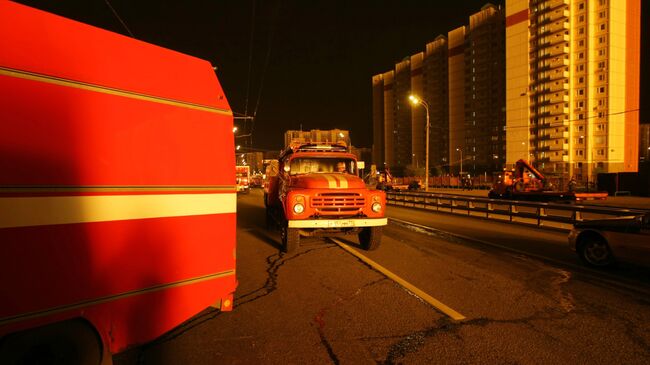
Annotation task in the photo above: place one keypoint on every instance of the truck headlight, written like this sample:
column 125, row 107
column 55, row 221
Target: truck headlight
column 376, row 207
column 298, row 208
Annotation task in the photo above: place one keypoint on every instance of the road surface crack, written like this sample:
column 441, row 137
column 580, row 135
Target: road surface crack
column 319, row 319
column 274, row 263
column 413, row 342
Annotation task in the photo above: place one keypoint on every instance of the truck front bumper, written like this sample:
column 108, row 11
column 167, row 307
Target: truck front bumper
column 338, row 223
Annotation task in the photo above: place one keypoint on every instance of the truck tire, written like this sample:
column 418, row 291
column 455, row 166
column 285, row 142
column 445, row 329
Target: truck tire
column 70, row 342
column 290, row 238
column 370, row 238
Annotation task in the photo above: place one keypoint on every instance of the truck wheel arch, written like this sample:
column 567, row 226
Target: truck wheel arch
column 74, row 341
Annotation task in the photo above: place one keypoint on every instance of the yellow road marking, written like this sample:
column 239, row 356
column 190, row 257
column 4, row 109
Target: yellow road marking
column 405, row 284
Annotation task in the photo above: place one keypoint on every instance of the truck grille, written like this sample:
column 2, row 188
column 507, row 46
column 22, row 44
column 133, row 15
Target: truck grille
column 338, row 202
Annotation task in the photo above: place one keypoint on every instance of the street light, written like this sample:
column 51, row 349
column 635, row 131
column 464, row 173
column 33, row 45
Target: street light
column 415, row 101
column 234, row 129
column 461, row 161
column 238, row 147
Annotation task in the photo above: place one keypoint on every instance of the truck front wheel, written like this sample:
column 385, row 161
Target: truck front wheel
column 290, row 238
column 370, row 238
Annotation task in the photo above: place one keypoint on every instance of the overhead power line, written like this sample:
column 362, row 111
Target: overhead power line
column 118, row 18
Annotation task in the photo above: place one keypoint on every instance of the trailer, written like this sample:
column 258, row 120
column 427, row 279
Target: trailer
column 525, row 182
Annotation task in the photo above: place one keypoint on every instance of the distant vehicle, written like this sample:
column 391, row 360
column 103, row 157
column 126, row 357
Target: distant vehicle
column 117, row 197
column 525, row 182
column 316, row 193
column 270, row 170
column 257, row 181
column 243, row 174
column 603, row 242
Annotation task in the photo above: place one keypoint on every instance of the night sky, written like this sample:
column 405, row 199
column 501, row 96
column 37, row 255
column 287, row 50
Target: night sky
column 312, row 60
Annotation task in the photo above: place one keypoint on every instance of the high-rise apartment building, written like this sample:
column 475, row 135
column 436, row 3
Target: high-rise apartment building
column 485, row 115
column 403, row 122
column 418, row 115
column 461, row 77
column 389, row 118
column 378, row 152
column 456, row 64
column 572, row 85
column 436, row 93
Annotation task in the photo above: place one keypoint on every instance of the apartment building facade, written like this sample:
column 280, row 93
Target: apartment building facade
column 461, row 76
column 572, row 85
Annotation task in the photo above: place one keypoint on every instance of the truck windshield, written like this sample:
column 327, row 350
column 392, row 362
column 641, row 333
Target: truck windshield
column 316, row 165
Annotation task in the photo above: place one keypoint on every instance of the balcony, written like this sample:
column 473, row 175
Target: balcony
column 559, row 111
column 560, row 62
column 540, row 114
column 554, row 39
column 559, row 74
column 563, row 98
column 557, row 135
column 555, row 87
column 559, row 14
column 559, row 25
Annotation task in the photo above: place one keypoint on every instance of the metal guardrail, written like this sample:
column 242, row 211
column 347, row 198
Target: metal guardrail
column 553, row 215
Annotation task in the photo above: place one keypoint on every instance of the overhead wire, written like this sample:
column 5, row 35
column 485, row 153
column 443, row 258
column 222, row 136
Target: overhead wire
column 119, row 18
column 268, row 56
column 250, row 59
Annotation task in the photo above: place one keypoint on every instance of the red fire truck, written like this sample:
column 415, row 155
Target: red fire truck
column 243, row 175
column 316, row 193
column 112, row 229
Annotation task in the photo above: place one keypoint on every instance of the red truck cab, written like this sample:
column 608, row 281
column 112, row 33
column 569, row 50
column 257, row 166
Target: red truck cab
column 316, row 193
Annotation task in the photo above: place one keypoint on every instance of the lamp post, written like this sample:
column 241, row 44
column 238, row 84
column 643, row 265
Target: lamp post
column 461, row 161
column 415, row 101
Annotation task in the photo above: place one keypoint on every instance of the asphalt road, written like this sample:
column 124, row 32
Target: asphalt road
column 525, row 298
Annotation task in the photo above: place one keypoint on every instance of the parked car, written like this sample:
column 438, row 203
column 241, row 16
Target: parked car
column 603, row 242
